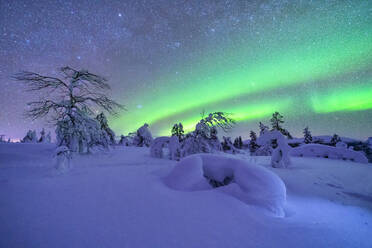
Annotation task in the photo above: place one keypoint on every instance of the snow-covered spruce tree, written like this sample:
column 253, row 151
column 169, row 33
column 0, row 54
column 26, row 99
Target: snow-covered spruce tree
column 204, row 138
column 143, row 136
column 276, row 121
column 124, row 140
column 42, row 138
column 70, row 100
column 30, row 137
column 48, row 138
column 238, row 142
column 253, row 146
column 263, row 128
column 227, row 145
column 101, row 118
column 177, row 130
column 307, row 136
column 335, row 139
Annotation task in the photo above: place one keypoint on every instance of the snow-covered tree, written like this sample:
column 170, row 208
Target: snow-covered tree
column 307, row 136
column 71, row 101
column 2, row 138
column 280, row 155
column 238, row 142
column 253, row 146
column 204, row 139
column 101, row 118
column 276, row 121
column 143, row 136
column 335, row 139
column 30, row 137
column 42, row 138
column 63, row 159
column 157, row 145
column 263, row 128
column 49, row 138
column 228, row 146
column 177, row 130
column 81, row 135
column 124, row 140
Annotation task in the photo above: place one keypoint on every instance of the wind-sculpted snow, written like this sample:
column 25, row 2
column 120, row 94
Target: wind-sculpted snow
column 252, row 184
column 324, row 151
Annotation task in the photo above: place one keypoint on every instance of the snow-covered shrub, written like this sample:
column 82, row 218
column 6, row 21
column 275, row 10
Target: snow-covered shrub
column 334, row 140
column 280, row 155
column 324, row 151
column 341, row 144
column 251, row 184
column 30, row 137
column 63, row 159
column 143, row 136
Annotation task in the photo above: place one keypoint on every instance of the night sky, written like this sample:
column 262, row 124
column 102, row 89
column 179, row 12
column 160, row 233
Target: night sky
column 169, row 60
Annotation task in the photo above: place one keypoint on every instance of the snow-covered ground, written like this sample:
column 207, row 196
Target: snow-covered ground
column 120, row 199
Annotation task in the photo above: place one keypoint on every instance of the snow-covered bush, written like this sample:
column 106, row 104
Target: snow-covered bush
column 143, row 136
column 63, row 159
column 30, row 137
column 280, row 155
column 324, row 151
column 341, row 144
column 251, row 184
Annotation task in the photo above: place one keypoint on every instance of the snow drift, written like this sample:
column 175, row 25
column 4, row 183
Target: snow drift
column 316, row 150
column 253, row 185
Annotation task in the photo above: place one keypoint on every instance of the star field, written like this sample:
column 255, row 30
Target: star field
column 167, row 61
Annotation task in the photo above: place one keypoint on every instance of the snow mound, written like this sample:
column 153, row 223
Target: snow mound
column 252, row 184
column 324, row 151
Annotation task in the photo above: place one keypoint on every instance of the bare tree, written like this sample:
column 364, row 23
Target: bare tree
column 71, row 100
column 75, row 90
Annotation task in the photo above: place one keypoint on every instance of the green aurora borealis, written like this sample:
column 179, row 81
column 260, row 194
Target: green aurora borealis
column 308, row 64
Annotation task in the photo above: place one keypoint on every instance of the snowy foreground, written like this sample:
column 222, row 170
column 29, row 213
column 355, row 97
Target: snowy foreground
column 124, row 198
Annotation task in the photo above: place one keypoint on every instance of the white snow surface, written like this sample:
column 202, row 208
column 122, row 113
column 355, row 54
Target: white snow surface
column 251, row 184
column 324, row 151
column 119, row 199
